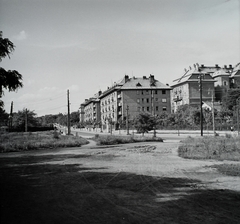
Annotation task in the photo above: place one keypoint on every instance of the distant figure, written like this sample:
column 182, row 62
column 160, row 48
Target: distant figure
column 231, row 128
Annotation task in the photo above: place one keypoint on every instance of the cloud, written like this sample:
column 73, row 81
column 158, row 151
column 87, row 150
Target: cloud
column 21, row 36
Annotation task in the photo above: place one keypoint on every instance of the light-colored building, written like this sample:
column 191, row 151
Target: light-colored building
column 216, row 81
column 186, row 90
column 132, row 96
column 90, row 110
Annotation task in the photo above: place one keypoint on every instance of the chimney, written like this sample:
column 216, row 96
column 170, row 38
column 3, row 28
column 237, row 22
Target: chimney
column 230, row 66
column 126, row 78
column 216, row 66
column 151, row 77
column 225, row 66
column 99, row 93
column 144, row 77
column 202, row 65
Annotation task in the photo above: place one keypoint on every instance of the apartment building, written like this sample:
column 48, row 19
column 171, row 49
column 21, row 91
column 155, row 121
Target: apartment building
column 186, row 90
column 127, row 99
column 89, row 111
column 132, row 96
column 216, row 81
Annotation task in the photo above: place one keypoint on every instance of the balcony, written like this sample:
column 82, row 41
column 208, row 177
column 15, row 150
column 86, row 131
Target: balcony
column 178, row 98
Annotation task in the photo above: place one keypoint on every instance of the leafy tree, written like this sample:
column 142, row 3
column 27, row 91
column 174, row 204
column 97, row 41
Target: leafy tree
column 144, row 122
column 3, row 117
column 230, row 99
column 10, row 79
column 19, row 119
column 74, row 116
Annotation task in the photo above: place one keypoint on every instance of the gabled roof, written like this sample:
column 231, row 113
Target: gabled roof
column 196, row 69
column 236, row 70
column 144, row 83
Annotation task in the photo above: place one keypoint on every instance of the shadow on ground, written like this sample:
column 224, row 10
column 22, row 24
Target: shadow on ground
column 47, row 193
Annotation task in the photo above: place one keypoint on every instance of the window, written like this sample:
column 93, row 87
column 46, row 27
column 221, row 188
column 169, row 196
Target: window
column 156, row 108
column 156, row 99
column 147, row 108
column 147, row 92
column 225, row 83
column 164, row 100
column 164, row 91
column 147, row 100
column 142, row 108
column 164, row 108
column 142, row 100
column 155, row 91
column 142, row 92
column 137, row 92
column 138, row 100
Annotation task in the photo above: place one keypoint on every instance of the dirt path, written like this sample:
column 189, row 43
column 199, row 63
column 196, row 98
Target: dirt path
column 133, row 183
column 153, row 159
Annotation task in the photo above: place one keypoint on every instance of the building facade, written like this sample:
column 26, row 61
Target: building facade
column 126, row 99
column 215, row 82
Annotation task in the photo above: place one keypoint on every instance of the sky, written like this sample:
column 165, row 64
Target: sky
column 86, row 45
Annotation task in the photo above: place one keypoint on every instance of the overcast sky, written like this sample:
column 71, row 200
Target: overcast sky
column 86, row 45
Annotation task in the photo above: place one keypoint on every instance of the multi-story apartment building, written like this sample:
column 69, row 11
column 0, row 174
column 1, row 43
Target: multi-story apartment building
column 216, row 81
column 186, row 90
column 128, row 98
column 90, row 110
column 132, row 96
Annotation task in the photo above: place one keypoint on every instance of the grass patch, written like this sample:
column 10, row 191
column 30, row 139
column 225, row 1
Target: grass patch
column 219, row 148
column 228, row 169
column 114, row 139
column 20, row 141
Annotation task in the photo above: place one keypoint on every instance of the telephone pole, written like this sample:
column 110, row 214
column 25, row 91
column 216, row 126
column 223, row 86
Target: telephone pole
column 11, row 116
column 68, row 120
column 26, row 121
column 127, row 122
column 213, row 116
column 153, row 113
column 201, row 111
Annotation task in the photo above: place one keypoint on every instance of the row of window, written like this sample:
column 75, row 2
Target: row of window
column 148, row 108
column 146, row 100
column 146, row 92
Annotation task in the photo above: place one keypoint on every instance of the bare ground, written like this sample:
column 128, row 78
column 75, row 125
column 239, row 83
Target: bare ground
column 134, row 183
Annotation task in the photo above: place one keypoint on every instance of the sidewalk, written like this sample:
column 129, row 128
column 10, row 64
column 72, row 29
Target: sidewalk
column 158, row 132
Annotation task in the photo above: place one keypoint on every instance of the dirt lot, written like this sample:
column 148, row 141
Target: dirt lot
column 134, row 183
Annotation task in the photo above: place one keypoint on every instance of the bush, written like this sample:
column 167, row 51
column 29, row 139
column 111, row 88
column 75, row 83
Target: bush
column 114, row 140
column 20, row 141
column 220, row 148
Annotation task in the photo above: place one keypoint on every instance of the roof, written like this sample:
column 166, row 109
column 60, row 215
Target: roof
column 236, row 70
column 144, row 83
column 196, row 69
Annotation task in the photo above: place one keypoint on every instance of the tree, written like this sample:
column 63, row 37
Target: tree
column 19, row 119
column 230, row 99
column 10, row 79
column 144, row 122
column 74, row 118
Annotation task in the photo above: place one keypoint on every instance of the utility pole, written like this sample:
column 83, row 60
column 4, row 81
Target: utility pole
column 213, row 115
column 201, row 111
column 11, row 116
column 127, row 122
column 68, row 120
column 26, row 121
column 153, row 113
column 238, row 100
